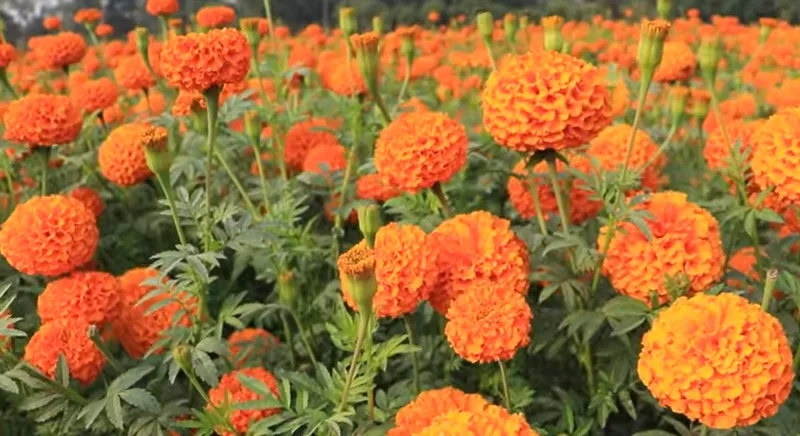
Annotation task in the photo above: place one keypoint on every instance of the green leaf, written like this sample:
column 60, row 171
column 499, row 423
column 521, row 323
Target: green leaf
column 38, row 400
column 114, row 411
column 8, row 385
column 128, row 379
column 62, row 370
column 769, row 216
column 204, row 367
column 91, row 412
column 624, row 306
column 141, row 399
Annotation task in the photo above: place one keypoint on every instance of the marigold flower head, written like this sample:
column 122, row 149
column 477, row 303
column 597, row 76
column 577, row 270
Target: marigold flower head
column 188, row 102
column 90, row 199
column 429, row 405
column 88, row 16
column 52, row 23
column 132, row 73
column 60, row 50
column 250, row 341
column 325, row 159
column 91, row 296
column 365, row 41
column 304, row 136
column 372, row 187
column 343, row 78
column 215, row 16
column 137, row 330
column 720, row 360
column 744, row 262
column 418, row 150
column 49, row 236
column 95, row 95
column 717, row 152
column 199, row 61
column 104, row 30
column 121, row 156
column 776, row 155
column 493, row 420
column 677, row 63
column 610, row 149
column 231, row 391
column 545, row 100
column 70, row 338
column 7, row 54
column 488, row 323
column 685, row 243
column 357, row 262
column 495, row 256
column 162, row 7
column 620, row 99
column 42, row 120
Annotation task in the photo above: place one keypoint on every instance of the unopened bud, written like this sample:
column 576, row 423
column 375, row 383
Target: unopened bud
column 347, row 21
column 651, row 46
column 252, row 126
column 369, row 222
column 679, row 97
column 664, row 9
column 407, row 42
column 485, row 25
column 708, row 56
column 287, row 289
column 510, row 27
column 249, row 27
column 366, row 48
column 553, row 39
column 523, row 22
column 182, row 354
column 699, row 100
column 377, row 25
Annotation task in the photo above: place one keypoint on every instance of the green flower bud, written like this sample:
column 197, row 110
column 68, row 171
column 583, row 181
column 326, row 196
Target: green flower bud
column 347, row 21
column 157, row 153
column 678, row 97
column 369, row 222
column 377, row 25
column 252, row 126
column 357, row 266
column 767, row 24
column 366, row 48
column 287, row 289
column 485, row 25
column 708, row 56
column 183, row 357
column 553, row 39
column 510, row 27
column 651, row 46
column 664, row 9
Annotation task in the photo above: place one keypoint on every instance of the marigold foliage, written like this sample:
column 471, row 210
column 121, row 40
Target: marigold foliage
column 248, row 342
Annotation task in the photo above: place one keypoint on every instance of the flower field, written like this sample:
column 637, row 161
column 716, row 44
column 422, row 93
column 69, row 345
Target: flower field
column 468, row 226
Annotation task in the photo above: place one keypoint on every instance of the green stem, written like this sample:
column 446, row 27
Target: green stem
column 348, row 172
column 257, row 68
column 169, row 193
column 589, row 367
column 415, row 355
column 162, row 21
column 281, row 158
column 287, row 330
column 268, row 11
column 769, row 287
column 101, row 345
column 662, row 148
column 488, row 45
column 7, row 168
column 562, row 205
column 796, row 361
column 45, row 159
column 404, row 87
column 504, row 377
column 612, row 227
column 7, row 84
column 66, row 391
column 703, row 430
column 644, row 87
column 261, row 176
column 363, row 326
column 537, row 202
column 212, row 107
column 385, row 117
column 439, row 193
column 238, row 183
column 304, row 338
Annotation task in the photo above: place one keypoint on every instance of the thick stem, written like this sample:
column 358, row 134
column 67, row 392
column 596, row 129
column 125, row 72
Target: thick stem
column 212, row 107
column 385, row 117
column 348, row 172
column 504, row 377
column 287, row 330
column 44, row 153
column 238, row 183
column 415, row 355
column 169, row 193
column 589, row 367
column 363, row 326
column 644, row 87
column 304, row 338
column 439, row 192
column 7, row 169
column 162, row 21
column 703, row 430
column 7, row 84
column 562, row 205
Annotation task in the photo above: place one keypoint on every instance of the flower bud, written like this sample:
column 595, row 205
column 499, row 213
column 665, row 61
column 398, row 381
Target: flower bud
column 357, row 266
column 369, row 222
column 182, row 354
column 510, row 27
column 651, row 46
column 249, row 27
column 366, row 48
column 767, row 24
column 485, row 25
column 708, row 56
column 664, row 9
column 678, row 98
column 287, row 289
column 347, row 21
column 252, row 126
column 377, row 25
column 523, row 22
column 699, row 108
column 407, row 42
column 553, row 39
column 142, row 40
column 159, row 157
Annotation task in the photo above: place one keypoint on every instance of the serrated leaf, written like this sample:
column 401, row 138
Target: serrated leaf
column 204, row 367
column 623, row 306
column 128, row 379
column 114, row 411
column 141, row 399
column 62, row 370
column 8, row 385
column 91, row 412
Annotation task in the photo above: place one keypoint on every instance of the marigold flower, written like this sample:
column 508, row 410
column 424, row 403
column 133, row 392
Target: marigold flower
column 344, row 78
column 42, row 120
column 162, row 7
column 582, row 205
column 91, row 296
column 429, row 405
column 88, row 16
column 90, row 199
column 132, row 73
column 493, row 420
column 744, row 262
column 610, row 149
column 231, row 391
column 418, row 150
column 620, row 99
column 677, row 63
column 545, row 100
column 137, row 330
column 104, row 30
column 372, row 187
column 720, row 360
column 52, row 23
column 776, row 154
column 70, row 338
column 496, row 256
column 60, row 50
column 121, row 156
column 188, row 102
column 325, row 159
column 304, row 136
column 199, row 61
column 49, row 236
column 685, row 243
column 247, row 342
column 7, row 54
column 717, row 151
column 739, row 107
column 96, row 95
column 215, row 16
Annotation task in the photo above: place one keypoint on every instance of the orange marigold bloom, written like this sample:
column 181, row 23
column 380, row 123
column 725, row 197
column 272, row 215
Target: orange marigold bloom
column 720, row 360
column 776, row 155
column 372, row 187
column 7, row 54
column 60, row 50
column 231, row 391
column 132, row 73
column 677, row 63
column 90, row 199
column 121, row 156
column 70, row 338
column 96, row 95
column 785, row 96
column 162, row 7
column 137, row 330
column 199, row 61
column 545, row 100
column 344, row 79
column 429, row 405
column 188, row 102
column 49, row 236
column 487, row 323
column 493, row 420
column 304, row 136
column 325, row 159
column 610, row 149
column 42, row 120
column 52, row 23
column 88, row 295
column 104, row 30
column 744, row 262
column 402, row 271
column 418, row 150
column 717, row 152
column 685, row 243
column 620, row 99
column 250, row 341
column 496, row 256
column 88, row 15
column 582, row 206
column 739, row 107
column 215, row 16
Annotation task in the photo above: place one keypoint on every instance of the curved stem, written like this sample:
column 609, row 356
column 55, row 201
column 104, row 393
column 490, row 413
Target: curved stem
column 439, row 192
column 348, row 171
column 212, row 107
column 162, row 21
column 363, row 325
column 385, row 117
column 504, row 376
column 415, row 355
column 562, row 205
column 769, row 287
column 169, row 193
column 488, row 44
column 644, row 87
column 304, row 338
column 7, row 84
column 287, row 329
column 662, row 148
column 238, row 183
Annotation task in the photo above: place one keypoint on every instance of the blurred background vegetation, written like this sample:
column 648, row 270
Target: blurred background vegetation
column 23, row 18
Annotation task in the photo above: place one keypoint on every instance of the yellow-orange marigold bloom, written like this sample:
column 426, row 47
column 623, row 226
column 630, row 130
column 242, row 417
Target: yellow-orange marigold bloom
column 545, row 100
column 325, row 159
column 717, row 152
column 95, row 95
column 429, row 405
column 137, row 330
column 476, row 250
column 121, row 156
column 739, row 107
column 402, row 270
column 7, row 54
column 685, row 243
column 60, row 50
column 304, row 136
column 372, row 187
column 720, row 360
column 744, row 262
column 620, row 99
column 52, row 23
column 776, row 156
column 231, row 391
column 199, row 61
column 132, row 73
column 250, row 341
column 343, row 79
column 677, row 63
column 70, row 338
column 215, row 16
column 88, row 15
column 493, row 420
column 162, row 7
column 610, row 149
column 90, row 199
column 42, row 120
column 418, row 150
column 582, row 206
column 487, row 323
column 49, row 236
column 89, row 295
